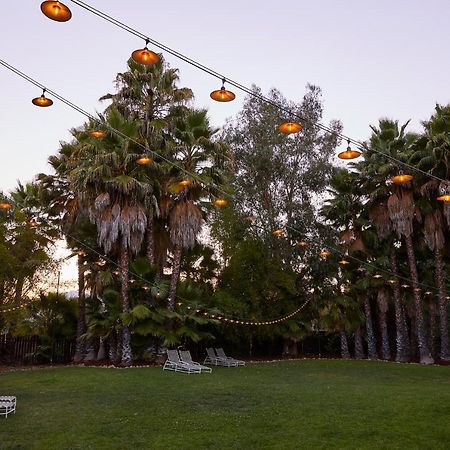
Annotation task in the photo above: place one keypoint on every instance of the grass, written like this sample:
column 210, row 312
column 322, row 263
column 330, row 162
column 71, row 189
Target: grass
column 311, row 404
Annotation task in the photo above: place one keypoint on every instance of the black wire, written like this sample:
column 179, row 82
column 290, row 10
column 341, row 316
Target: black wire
column 240, row 86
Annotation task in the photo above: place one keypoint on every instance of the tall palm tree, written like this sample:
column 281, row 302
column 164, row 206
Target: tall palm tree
column 104, row 175
column 148, row 95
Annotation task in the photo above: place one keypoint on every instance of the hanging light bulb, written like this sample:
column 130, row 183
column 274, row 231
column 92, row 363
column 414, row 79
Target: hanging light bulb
column 5, row 205
column 278, row 232
column 377, row 276
column 405, row 286
column 324, row 253
column 444, row 198
column 349, row 153
column 42, row 101
column 56, row 11
column 302, row 244
column 145, row 56
column 401, row 178
column 81, row 253
column 222, row 94
column 344, row 262
column 392, row 281
column 220, row 202
column 97, row 134
column 144, row 160
column 289, row 127
column 184, row 183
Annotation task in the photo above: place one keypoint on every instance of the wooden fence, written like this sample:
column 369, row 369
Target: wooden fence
column 32, row 350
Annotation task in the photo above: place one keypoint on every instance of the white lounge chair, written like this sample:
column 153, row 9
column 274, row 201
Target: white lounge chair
column 212, row 358
column 7, row 405
column 185, row 356
column 174, row 363
column 221, row 354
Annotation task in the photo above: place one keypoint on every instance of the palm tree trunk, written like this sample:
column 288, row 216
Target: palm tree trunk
column 401, row 338
column 81, row 322
column 371, row 343
column 345, row 353
column 150, row 250
column 359, row 348
column 382, row 309
column 176, row 269
column 126, row 335
column 424, row 352
column 432, row 326
column 443, row 318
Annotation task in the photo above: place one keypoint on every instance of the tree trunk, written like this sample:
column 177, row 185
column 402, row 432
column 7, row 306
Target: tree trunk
column 126, row 335
column 424, row 352
column 91, row 354
column 112, row 347
column 101, row 350
column 176, row 268
column 81, row 322
column 371, row 343
column 401, row 338
column 382, row 310
column 432, row 326
column 150, row 250
column 345, row 353
column 359, row 347
column 443, row 318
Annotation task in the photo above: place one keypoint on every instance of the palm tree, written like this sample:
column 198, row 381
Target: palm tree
column 105, row 177
column 433, row 155
column 148, row 95
column 196, row 152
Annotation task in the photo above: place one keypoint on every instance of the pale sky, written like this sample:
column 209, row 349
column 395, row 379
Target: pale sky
column 371, row 58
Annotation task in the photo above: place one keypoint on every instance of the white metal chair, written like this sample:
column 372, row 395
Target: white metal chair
column 212, row 358
column 174, row 363
column 185, row 356
column 7, row 405
column 221, row 354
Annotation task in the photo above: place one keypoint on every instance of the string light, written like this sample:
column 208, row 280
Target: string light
column 144, row 160
column 290, row 127
column 349, row 153
column 97, row 134
column 222, row 94
column 56, row 11
column 145, row 56
column 42, row 101
column 401, row 178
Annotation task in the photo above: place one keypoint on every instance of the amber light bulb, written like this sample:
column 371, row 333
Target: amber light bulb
column 145, row 56
column 220, row 202
column 144, row 160
column 402, row 178
column 290, row 127
column 97, row 134
column 42, row 101
column 349, row 153
column 56, row 11
column 222, row 94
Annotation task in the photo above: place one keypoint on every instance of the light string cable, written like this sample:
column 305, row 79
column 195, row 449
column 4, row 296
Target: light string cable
column 243, row 88
column 157, row 155
column 365, row 263
column 104, row 124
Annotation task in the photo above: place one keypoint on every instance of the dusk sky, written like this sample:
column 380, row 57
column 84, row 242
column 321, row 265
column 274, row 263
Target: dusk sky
column 371, row 59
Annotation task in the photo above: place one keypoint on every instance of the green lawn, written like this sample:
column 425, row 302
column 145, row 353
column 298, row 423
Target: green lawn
column 286, row 405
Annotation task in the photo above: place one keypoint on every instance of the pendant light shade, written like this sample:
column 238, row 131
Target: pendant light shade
column 5, row 205
column 324, row 253
column 144, row 160
column 278, row 232
column 222, row 94
column 349, row 153
column 220, row 202
column 377, row 276
column 97, row 134
column 402, row 178
column 289, row 127
column 302, row 244
column 42, row 101
column 145, row 56
column 444, row 198
column 56, row 11
column 184, row 183
column 344, row 262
